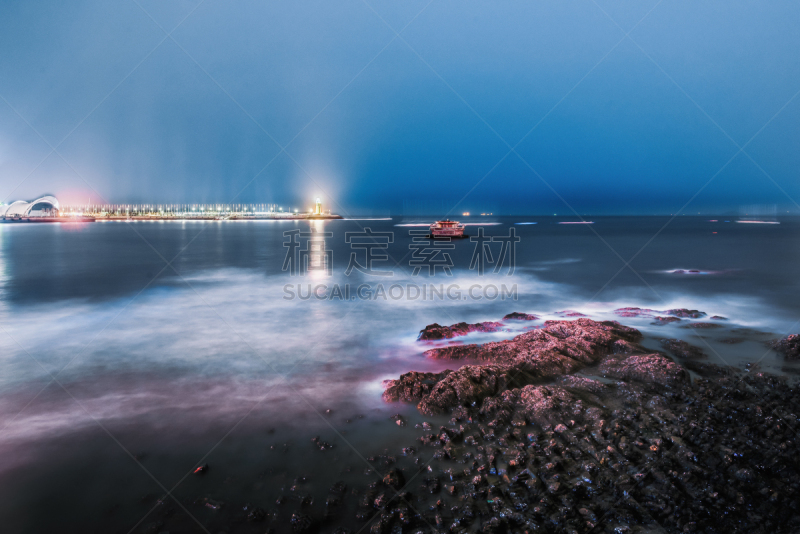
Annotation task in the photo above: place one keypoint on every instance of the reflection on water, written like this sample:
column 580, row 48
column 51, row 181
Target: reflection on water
column 168, row 363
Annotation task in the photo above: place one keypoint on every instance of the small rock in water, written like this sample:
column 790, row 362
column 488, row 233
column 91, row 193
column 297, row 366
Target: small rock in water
column 321, row 445
column 662, row 320
column 570, row 313
column 683, row 312
column 702, row 325
column 201, row 470
column 517, row 316
column 635, row 312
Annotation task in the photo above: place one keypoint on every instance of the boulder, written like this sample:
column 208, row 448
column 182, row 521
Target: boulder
column 411, row 387
column 682, row 349
column 636, row 312
column 465, row 387
column 648, row 368
column 436, row 331
column 788, row 346
column 686, row 313
column 662, row 320
column 582, row 339
column 559, row 348
column 517, row 316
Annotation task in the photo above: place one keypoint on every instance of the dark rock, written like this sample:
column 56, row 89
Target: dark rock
column 682, row 349
column 683, row 312
column 394, row 479
column 321, row 445
column 544, row 405
column 583, row 339
column 559, row 348
column 788, row 346
column 411, row 387
column 653, row 368
column 436, row 331
column 636, row 312
column 467, row 386
column 709, row 369
column 532, row 447
column 570, row 313
column 582, row 383
column 301, row 523
column 517, row 316
column 662, row 320
column 201, row 470
column 254, row 513
column 702, row 325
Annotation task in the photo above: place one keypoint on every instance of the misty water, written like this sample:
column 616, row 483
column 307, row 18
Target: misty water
column 131, row 353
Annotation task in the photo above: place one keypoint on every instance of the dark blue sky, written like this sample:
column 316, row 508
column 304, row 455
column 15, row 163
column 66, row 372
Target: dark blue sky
column 372, row 122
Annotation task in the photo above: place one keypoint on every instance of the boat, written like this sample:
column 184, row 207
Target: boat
column 447, row 228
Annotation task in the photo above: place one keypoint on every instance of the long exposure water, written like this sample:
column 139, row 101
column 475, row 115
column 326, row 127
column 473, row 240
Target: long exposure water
column 131, row 353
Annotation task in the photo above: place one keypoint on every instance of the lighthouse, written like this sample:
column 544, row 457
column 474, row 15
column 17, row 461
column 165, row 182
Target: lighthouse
column 318, row 207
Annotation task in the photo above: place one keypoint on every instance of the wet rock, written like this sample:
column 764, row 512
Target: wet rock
column 254, row 514
column 682, row 349
column 394, row 479
column 718, row 318
column 211, row 504
column 636, row 312
column 582, row 383
column 436, row 331
column 649, row 368
column 411, row 387
column 321, row 445
column 702, row 325
column 302, row 523
column 559, row 348
column 709, row 369
column 536, row 448
column 685, row 313
column 662, row 320
column 570, row 313
column 543, row 405
column 788, row 346
column 583, row 339
column 201, row 470
column 467, row 386
column 335, row 495
column 517, row 316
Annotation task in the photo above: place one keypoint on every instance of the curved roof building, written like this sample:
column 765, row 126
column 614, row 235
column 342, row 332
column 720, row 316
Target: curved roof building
column 20, row 208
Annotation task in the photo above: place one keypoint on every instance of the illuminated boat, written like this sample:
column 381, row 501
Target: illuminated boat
column 447, row 228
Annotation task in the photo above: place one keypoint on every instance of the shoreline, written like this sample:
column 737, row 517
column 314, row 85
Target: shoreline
column 568, row 426
column 571, row 426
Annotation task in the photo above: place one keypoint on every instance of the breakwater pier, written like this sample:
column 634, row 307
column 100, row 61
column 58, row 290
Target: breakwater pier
column 50, row 210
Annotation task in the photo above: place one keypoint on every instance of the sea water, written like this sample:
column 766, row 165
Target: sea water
column 131, row 353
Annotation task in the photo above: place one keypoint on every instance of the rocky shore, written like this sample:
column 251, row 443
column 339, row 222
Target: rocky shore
column 575, row 427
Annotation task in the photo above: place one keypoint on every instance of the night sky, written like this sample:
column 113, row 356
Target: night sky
column 509, row 107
